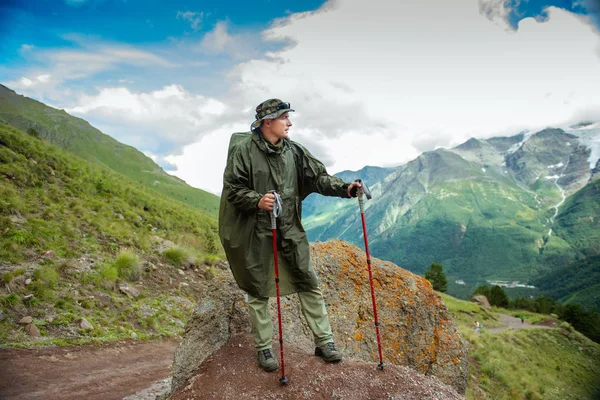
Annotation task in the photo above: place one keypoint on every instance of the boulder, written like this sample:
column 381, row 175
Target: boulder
column 417, row 330
column 33, row 330
column 85, row 324
column 482, row 301
column 130, row 291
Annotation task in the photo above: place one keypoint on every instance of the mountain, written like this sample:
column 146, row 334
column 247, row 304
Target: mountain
column 79, row 241
column 505, row 208
column 78, row 137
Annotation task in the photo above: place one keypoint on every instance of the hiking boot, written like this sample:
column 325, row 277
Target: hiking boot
column 267, row 360
column 328, row 352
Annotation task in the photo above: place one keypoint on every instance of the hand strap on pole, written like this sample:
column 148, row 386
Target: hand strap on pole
column 277, row 209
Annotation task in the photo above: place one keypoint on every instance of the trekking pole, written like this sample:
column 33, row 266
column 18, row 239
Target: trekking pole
column 365, row 190
column 274, row 214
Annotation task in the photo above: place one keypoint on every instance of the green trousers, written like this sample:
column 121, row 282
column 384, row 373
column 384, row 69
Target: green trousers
column 313, row 308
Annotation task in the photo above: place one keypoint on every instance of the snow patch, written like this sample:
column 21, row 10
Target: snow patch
column 516, row 146
column 560, row 164
column 589, row 136
column 552, row 177
column 483, row 169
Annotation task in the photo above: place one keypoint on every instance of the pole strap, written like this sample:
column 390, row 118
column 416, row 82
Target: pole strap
column 277, row 209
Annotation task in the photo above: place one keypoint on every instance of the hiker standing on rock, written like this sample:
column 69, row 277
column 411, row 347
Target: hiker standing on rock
column 258, row 162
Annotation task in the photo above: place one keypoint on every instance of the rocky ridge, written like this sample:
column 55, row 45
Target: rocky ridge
column 417, row 330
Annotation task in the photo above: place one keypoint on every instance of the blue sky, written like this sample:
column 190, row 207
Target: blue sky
column 174, row 79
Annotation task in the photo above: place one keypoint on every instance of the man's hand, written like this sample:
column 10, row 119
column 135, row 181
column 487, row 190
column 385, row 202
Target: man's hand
column 353, row 189
column 267, row 201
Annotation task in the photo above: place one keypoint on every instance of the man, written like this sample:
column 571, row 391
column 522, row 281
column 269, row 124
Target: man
column 259, row 162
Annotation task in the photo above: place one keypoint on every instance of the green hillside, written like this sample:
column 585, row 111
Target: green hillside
column 579, row 220
column 534, row 363
column 72, row 233
column 78, row 137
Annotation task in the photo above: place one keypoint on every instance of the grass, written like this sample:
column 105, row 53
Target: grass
column 176, row 256
column 104, row 229
column 526, row 364
column 128, row 266
column 86, row 142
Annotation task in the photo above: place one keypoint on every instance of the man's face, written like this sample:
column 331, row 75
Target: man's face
column 280, row 126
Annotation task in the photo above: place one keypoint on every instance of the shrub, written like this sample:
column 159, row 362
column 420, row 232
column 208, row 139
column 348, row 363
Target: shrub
column 128, row 266
column 175, row 256
column 7, row 277
column 211, row 259
column 109, row 272
column 46, row 275
column 10, row 300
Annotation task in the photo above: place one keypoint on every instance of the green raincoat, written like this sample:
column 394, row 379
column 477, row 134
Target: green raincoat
column 253, row 169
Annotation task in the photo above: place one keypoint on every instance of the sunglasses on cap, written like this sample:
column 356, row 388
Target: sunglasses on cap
column 283, row 106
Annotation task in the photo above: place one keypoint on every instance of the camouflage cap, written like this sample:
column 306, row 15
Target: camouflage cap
column 270, row 109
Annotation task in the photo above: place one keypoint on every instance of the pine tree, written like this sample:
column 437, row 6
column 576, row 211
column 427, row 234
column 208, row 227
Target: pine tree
column 436, row 276
column 498, row 297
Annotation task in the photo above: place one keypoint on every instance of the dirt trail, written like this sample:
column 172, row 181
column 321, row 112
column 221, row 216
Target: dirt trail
column 86, row 372
column 509, row 322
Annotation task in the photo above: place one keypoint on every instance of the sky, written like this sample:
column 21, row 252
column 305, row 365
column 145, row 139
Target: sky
column 373, row 82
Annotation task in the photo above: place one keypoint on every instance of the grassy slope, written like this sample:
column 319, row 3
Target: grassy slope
column 88, row 215
column 80, row 138
column 576, row 281
column 526, row 364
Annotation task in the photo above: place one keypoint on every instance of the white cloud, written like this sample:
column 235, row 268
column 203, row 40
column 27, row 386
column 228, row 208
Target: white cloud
column 201, row 164
column 169, row 118
column 412, row 77
column 32, row 82
column 218, row 39
column 194, row 18
column 70, row 65
column 497, row 11
column 240, row 46
column 418, row 75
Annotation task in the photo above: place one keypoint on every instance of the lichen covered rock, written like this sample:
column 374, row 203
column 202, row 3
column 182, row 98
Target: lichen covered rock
column 416, row 328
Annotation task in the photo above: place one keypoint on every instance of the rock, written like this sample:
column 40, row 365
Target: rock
column 209, row 274
column 27, row 281
column 26, row 320
column 482, row 301
column 17, row 218
column 33, row 330
column 2, row 316
column 417, row 329
column 146, row 311
column 130, row 291
column 50, row 254
column 180, row 272
column 27, row 298
column 223, row 265
column 84, row 324
column 208, row 330
column 134, row 335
